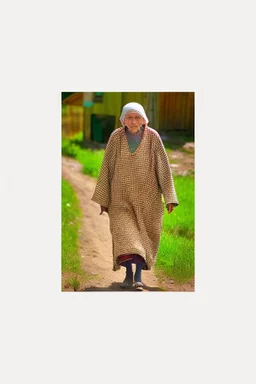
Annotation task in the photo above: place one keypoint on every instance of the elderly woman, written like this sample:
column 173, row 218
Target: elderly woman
column 134, row 175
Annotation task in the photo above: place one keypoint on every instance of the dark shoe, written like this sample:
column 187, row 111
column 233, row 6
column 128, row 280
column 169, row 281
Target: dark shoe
column 127, row 283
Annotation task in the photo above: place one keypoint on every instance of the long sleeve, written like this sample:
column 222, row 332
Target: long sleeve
column 164, row 173
column 102, row 190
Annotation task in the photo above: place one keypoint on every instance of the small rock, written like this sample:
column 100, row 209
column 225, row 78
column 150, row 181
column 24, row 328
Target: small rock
column 189, row 146
column 183, row 173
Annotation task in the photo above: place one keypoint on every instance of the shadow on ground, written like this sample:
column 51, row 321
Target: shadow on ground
column 115, row 287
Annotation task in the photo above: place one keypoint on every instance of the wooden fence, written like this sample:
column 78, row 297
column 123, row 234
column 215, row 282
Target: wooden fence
column 176, row 111
column 72, row 120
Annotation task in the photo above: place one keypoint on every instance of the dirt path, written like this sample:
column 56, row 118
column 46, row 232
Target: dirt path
column 96, row 243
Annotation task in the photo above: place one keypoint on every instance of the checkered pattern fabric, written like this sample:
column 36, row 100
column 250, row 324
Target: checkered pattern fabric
column 131, row 186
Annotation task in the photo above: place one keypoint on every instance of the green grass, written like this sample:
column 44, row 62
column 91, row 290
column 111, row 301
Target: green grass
column 181, row 221
column 176, row 251
column 90, row 159
column 71, row 259
column 176, row 257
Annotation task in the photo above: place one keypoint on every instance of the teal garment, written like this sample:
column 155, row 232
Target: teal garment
column 134, row 139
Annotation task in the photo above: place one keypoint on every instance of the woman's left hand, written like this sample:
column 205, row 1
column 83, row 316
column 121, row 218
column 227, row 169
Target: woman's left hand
column 169, row 207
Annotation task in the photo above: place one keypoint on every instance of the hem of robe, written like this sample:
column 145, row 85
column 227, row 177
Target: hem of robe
column 148, row 265
column 134, row 258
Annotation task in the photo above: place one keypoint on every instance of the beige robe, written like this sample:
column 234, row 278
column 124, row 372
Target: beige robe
column 131, row 185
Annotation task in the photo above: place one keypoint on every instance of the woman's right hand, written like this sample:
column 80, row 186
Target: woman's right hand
column 103, row 209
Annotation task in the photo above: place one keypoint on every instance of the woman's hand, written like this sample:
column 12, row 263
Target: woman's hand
column 103, row 209
column 169, row 207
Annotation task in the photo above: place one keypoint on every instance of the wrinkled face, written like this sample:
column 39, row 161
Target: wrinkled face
column 133, row 120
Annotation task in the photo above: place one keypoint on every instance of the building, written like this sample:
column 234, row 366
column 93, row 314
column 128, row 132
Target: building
column 96, row 114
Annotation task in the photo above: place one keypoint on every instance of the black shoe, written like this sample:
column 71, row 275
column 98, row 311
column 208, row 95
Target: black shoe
column 127, row 283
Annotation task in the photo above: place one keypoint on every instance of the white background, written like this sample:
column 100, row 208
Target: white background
column 48, row 336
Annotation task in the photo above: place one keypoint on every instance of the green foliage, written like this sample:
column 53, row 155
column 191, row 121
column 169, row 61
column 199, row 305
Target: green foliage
column 71, row 214
column 90, row 159
column 74, row 283
column 181, row 221
column 176, row 257
column 176, row 251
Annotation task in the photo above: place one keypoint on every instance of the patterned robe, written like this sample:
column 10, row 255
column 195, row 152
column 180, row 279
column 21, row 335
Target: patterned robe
column 131, row 185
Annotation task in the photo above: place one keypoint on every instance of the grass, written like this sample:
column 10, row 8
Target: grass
column 72, row 273
column 90, row 159
column 176, row 257
column 181, row 221
column 176, row 251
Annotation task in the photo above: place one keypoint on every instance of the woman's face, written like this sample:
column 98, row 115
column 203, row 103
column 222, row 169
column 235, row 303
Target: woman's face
column 133, row 120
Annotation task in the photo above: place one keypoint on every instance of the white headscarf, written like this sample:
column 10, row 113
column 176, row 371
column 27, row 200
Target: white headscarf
column 136, row 107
